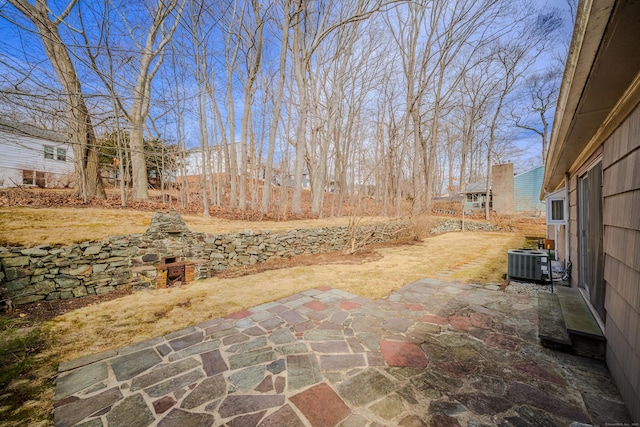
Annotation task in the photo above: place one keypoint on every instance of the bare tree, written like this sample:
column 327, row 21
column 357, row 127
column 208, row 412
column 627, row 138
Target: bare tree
column 150, row 60
column 79, row 122
column 542, row 90
column 277, row 105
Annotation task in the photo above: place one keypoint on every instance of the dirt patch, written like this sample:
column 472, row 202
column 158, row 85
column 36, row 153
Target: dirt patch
column 302, row 260
column 38, row 312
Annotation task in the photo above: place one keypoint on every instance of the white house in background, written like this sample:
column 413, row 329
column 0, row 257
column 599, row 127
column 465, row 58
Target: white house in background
column 34, row 157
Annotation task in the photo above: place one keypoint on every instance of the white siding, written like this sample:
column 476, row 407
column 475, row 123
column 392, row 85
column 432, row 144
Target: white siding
column 19, row 152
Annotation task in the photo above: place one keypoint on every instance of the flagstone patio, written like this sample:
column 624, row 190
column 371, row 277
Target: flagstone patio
column 434, row 353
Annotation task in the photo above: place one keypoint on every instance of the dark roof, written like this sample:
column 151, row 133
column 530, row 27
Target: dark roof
column 476, row 187
column 23, row 129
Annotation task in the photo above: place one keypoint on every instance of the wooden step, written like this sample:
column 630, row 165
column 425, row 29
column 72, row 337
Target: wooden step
column 577, row 315
column 566, row 323
column 551, row 328
column 587, row 339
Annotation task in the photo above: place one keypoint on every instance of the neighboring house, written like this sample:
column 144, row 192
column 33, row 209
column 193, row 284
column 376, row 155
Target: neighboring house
column 34, row 157
column 592, row 179
column 508, row 194
column 526, row 192
column 475, row 196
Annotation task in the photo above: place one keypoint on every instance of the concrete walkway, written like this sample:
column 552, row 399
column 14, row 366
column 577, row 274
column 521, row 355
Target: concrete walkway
column 433, row 353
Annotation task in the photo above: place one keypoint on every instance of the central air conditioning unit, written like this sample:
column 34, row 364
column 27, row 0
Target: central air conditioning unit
column 528, row 264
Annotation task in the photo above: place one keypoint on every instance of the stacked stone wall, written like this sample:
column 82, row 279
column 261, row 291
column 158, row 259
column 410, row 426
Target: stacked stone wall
column 47, row 272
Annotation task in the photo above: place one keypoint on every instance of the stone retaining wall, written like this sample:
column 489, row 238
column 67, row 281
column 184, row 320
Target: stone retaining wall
column 48, row 273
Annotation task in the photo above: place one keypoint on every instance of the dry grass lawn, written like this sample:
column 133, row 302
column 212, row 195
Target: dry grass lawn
column 32, row 227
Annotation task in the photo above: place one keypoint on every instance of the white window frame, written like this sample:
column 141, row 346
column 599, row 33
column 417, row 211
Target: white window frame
column 558, row 196
column 49, row 152
column 61, row 154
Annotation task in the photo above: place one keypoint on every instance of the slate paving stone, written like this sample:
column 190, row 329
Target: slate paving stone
column 334, row 362
column 302, row 371
column 506, row 342
column 315, row 305
column 162, row 373
column 460, row 322
column 255, row 331
column 276, row 366
column 397, row 324
column 257, row 343
column 97, row 422
column 534, row 370
column 322, row 335
column 350, row 305
column 86, row 360
column 168, row 386
column 272, row 323
column 128, row 366
column 213, row 363
column 403, row 354
column 339, row 317
column 446, row 407
column 370, row 340
column 279, row 384
column 132, row 411
column 266, row 385
column 443, row 421
column 365, row 387
column 292, row 317
column 527, row 416
column 484, row 404
column 355, row 345
column 163, row 404
column 295, row 348
column 234, row 405
column 239, row 315
column 75, row 411
column 234, row 339
column 209, row 389
column 139, row 346
column 605, row 411
column 254, row 357
column 74, row 381
column 488, row 384
column 284, row 416
column 331, row 347
column 354, row 420
column 180, row 333
column 315, row 401
column 389, row 407
column 282, row 336
column 432, row 318
column 180, row 418
column 247, row 377
column 412, row 421
column 246, row 420
column 532, row 396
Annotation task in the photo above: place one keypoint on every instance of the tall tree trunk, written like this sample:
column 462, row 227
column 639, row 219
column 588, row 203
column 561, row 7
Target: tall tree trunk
column 82, row 136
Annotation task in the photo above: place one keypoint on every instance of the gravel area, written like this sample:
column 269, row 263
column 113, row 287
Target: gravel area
column 528, row 288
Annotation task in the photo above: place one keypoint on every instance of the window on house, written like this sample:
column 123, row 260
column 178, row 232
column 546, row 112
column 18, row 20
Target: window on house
column 40, row 180
column 555, row 210
column 48, row 152
column 28, row 177
column 61, row 154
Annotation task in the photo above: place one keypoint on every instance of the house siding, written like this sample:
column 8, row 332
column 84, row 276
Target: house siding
column 526, row 189
column 621, row 217
column 573, row 231
column 27, row 153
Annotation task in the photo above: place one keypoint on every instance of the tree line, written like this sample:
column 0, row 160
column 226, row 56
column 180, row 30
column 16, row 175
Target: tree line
column 394, row 100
